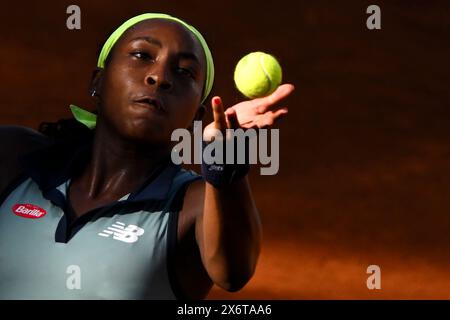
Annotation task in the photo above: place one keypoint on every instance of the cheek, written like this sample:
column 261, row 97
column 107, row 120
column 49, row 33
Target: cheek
column 118, row 83
column 115, row 92
column 118, row 112
column 184, row 106
column 183, row 116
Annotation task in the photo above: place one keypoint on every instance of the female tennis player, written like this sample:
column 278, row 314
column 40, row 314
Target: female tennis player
column 93, row 207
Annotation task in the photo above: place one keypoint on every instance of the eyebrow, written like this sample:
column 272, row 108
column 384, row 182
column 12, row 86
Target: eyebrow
column 149, row 40
column 183, row 54
column 190, row 56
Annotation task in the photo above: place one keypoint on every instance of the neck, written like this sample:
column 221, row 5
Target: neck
column 119, row 166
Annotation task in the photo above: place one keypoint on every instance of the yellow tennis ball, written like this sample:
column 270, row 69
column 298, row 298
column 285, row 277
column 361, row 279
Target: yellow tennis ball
column 257, row 74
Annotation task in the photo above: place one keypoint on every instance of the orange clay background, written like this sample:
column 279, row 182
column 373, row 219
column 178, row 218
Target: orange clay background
column 365, row 150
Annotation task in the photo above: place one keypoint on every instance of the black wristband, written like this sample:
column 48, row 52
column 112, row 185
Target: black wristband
column 221, row 175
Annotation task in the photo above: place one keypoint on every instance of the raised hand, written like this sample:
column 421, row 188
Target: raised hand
column 256, row 113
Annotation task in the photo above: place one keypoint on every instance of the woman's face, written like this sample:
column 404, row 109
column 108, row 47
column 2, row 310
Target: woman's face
column 153, row 82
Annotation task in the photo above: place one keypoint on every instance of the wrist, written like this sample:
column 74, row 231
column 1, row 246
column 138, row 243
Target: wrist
column 221, row 173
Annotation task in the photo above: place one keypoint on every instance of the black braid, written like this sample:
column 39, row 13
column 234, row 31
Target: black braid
column 65, row 130
column 71, row 129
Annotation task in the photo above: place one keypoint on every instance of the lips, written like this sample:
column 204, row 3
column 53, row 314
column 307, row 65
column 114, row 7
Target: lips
column 151, row 102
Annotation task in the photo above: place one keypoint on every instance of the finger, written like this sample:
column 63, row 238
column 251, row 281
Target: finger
column 269, row 118
column 220, row 121
column 264, row 120
column 279, row 94
column 229, row 110
column 232, row 120
column 280, row 113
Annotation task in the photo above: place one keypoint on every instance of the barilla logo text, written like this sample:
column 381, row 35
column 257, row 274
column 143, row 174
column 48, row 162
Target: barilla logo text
column 28, row 211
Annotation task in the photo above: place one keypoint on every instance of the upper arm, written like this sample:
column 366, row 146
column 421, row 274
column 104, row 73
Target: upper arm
column 190, row 270
column 16, row 141
column 192, row 211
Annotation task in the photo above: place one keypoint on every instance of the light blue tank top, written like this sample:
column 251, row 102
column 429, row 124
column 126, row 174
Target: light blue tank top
column 121, row 251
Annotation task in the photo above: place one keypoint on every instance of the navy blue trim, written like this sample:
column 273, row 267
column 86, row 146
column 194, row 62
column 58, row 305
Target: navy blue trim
column 53, row 165
column 49, row 167
column 56, row 197
column 61, row 230
column 172, row 238
column 68, row 228
column 158, row 185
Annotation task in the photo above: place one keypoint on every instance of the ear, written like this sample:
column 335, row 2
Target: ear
column 199, row 114
column 96, row 78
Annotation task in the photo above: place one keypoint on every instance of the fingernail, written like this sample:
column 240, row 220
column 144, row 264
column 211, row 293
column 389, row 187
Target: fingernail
column 216, row 100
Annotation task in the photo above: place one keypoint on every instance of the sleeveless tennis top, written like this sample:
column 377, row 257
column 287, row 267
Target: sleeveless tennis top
column 124, row 250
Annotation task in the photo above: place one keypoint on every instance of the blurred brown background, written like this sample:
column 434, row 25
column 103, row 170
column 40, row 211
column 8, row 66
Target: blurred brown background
column 365, row 151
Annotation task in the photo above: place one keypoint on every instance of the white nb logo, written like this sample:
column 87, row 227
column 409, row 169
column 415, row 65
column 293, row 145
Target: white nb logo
column 127, row 234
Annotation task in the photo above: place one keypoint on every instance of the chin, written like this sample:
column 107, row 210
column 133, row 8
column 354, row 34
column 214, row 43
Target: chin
column 145, row 132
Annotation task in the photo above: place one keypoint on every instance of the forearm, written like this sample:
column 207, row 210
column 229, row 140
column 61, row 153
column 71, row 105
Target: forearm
column 230, row 231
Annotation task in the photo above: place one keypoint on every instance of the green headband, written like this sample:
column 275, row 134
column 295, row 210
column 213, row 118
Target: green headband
column 89, row 119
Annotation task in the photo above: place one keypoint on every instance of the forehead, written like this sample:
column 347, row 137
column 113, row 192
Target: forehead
column 169, row 33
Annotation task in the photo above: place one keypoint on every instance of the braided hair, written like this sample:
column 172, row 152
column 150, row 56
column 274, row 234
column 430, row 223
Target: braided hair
column 66, row 130
column 71, row 129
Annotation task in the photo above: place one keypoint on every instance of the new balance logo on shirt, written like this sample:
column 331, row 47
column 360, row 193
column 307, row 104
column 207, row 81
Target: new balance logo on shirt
column 128, row 234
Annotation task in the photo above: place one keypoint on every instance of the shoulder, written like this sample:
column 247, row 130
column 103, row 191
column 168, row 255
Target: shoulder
column 17, row 141
column 22, row 136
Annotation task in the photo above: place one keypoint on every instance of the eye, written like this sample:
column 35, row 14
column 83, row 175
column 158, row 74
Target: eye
column 187, row 72
column 141, row 55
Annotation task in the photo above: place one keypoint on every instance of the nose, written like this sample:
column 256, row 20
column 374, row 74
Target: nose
column 158, row 76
